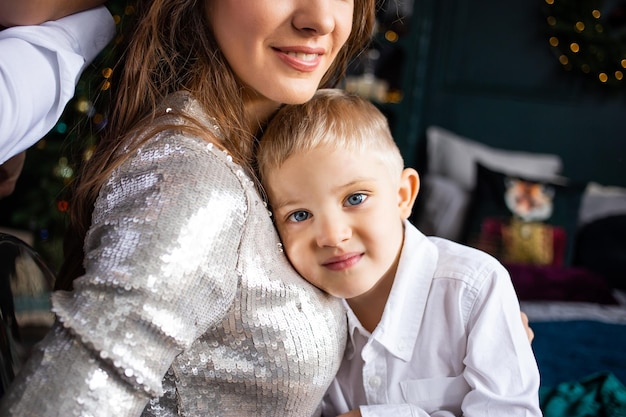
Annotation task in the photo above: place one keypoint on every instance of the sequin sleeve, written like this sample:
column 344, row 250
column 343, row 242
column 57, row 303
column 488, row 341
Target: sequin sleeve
column 161, row 262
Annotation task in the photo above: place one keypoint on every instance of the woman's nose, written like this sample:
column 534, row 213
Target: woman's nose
column 314, row 16
column 332, row 232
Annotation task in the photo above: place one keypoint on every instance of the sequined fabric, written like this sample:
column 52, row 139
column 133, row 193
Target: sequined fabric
column 188, row 306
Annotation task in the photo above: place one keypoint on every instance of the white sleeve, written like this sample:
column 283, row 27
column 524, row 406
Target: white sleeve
column 499, row 364
column 39, row 68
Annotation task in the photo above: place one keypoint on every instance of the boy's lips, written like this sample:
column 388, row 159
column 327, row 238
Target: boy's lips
column 338, row 263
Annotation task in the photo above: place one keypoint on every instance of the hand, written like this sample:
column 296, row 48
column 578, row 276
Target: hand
column 353, row 413
column 9, row 173
column 529, row 331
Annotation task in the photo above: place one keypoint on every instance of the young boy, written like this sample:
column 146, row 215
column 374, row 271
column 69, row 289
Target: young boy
column 434, row 326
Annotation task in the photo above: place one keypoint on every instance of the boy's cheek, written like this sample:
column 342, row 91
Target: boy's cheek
column 282, row 233
column 294, row 251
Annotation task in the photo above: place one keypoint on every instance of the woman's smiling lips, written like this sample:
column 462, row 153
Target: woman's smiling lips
column 338, row 263
column 301, row 58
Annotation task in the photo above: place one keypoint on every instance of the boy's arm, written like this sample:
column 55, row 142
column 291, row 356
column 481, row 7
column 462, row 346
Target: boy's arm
column 500, row 364
column 32, row 12
column 39, row 69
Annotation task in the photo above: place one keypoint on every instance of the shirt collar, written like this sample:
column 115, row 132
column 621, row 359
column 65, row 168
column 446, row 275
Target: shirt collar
column 402, row 317
column 354, row 325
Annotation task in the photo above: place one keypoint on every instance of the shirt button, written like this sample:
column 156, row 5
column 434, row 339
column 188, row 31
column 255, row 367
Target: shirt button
column 374, row 381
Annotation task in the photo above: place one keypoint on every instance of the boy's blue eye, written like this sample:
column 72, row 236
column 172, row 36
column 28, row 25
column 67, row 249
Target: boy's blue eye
column 299, row 216
column 356, row 199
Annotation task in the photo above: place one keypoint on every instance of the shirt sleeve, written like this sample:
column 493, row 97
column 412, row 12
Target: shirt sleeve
column 39, row 69
column 500, row 366
column 161, row 268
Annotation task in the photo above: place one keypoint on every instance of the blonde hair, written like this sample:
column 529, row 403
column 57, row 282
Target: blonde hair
column 333, row 118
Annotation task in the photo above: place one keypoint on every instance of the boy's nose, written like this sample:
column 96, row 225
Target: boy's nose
column 333, row 232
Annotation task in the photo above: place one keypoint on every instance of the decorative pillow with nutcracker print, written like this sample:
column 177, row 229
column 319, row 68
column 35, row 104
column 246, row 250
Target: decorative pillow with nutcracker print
column 523, row 220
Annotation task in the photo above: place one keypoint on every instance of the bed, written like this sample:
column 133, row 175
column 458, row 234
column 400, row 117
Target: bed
column 564, row 245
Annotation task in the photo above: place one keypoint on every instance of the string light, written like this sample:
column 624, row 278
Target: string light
column 391, row 36
column 586, row 40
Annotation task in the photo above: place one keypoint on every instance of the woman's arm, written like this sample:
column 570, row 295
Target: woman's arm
column 32, row 12
column 161, row 268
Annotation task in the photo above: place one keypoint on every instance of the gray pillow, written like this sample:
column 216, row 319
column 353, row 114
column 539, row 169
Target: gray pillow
column 455, row 157
column 443, row 207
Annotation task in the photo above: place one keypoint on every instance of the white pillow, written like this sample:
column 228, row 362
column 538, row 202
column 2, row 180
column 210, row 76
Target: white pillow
column 601, row 201
column 455, row 157
column 443, row 207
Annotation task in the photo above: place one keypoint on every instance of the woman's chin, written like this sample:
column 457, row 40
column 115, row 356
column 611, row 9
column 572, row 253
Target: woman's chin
column 296, row 92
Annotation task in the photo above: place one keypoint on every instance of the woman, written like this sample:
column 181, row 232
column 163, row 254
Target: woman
column 186, row 304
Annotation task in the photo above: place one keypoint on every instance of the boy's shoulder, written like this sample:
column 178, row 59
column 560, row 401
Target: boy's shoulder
column 461, row 262
column 455, row 250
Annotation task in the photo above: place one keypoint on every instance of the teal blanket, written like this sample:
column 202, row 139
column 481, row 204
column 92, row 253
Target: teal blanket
column 599, row 395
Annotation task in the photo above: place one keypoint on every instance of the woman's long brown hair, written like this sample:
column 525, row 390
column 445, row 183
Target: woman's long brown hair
column 169, row 48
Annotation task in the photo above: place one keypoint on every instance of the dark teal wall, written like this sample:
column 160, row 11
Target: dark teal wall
column 484, row 69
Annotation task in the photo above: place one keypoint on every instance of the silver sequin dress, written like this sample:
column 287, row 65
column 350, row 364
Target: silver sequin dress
column 188, row 306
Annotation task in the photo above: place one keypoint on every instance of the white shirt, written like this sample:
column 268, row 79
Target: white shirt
column 39, row 68
column 450, row 342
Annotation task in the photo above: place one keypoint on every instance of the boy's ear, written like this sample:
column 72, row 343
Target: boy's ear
column 407, row 191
